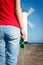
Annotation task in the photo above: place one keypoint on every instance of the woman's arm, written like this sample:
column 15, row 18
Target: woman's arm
column 19, row 16
column 19, row 13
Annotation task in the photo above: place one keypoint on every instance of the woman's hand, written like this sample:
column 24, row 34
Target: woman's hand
column 23, row 34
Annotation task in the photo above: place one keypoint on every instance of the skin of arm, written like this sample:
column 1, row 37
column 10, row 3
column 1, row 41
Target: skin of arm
column 19, row 16
column 19, row 13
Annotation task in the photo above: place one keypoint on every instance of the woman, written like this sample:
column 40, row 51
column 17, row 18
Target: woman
column 10, row 26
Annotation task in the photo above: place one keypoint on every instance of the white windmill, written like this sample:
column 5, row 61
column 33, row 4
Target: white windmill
column 25, row 15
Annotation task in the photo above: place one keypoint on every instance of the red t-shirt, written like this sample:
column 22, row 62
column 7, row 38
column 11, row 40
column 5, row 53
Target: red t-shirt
column 7, row 13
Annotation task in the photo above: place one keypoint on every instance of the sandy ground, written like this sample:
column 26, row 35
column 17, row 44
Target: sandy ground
column 32, row 55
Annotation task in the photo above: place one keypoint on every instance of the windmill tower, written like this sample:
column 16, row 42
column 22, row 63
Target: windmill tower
column 25, row 22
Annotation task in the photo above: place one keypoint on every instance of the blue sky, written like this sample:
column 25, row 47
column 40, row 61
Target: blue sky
column 35, row 34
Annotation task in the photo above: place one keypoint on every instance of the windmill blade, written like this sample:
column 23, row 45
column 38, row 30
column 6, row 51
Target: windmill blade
column 30, row 24
column 31, row 10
